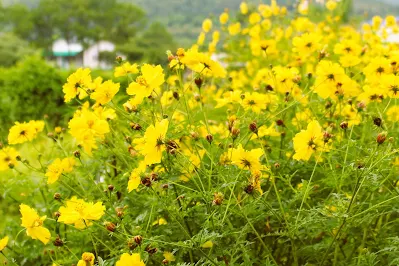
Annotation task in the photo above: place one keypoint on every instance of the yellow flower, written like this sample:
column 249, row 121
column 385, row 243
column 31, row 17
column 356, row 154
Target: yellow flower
column 80, row 213
column 37, row 125
column 152, row 77
column 202, row 63
column 390, row 21
column 308, row 141
column 254, row 18
column 21, row 132
column 8, row 158
column 34, row 224
column 87, row 259
column 254, row 101
column 244, row 159
column 223, row 18
column 125, row 69
column 77, row 84
column 393, row 113
column 3, row 243
column 130, row 260
column 169, row 256
column 306, row 44
column 234, row 28
column 105, row 92
column 135, row 179
column 160, row 221
column 331, row 5
column 390, row 85
column 244, row 8
column 207, row 25
column 86, row 127
column 152, row 144
column 54, row 171
column 207, row 244
column 58, row 167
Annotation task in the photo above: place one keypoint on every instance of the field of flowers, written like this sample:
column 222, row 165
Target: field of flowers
column 283, row 153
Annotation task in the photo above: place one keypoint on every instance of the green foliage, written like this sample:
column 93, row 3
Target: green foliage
column 30, row 90
column 151, row 46
column 13, row 49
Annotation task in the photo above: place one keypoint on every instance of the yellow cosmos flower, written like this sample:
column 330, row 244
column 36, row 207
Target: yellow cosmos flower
column 34, row 224
column 105, row 92
column 125, row 69
column 77, row 84
column 234, row 28
column 306, row 44
column 21, row 132
column 202, row 63
column 80, row 213
column 3, row 243
column 151, row 78
column 376, row 68
column 153, row 143
column 254, row 102
column 331, row 5
column 308, row 141
column 58, row 167
column 87, row 259
column 8, row 158
column 207, row 244
column 169, row 256
column 160, row 221
column 86, row 127
column 207, row 25
column 393, row 113
column 135, row 179
column 130, row 260
column 390, row 85
column 223, row 18
column 248, row 160
column 244, row 8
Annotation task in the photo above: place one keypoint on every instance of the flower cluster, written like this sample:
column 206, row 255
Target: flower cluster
column 271, row 141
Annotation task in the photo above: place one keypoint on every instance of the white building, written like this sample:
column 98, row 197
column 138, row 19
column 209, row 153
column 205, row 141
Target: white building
column 69, row 55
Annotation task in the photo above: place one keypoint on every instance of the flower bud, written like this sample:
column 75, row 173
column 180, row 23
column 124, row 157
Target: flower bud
column 209, row 138
column 57, row 196
column 111, row 188
column 344, row 125
column 76, row 154
column 235, row 132
column 217, row 198
column 58, row 242
column 176, row 95
column 198, row 81
column 377, row 121
column 253, row 127
column 138, row 239
column 110, row 226
column 381, row 138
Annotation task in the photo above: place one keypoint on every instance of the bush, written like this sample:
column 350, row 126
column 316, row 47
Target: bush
column 29, row 90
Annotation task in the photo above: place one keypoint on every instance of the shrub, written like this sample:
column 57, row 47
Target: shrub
column 30, row 90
